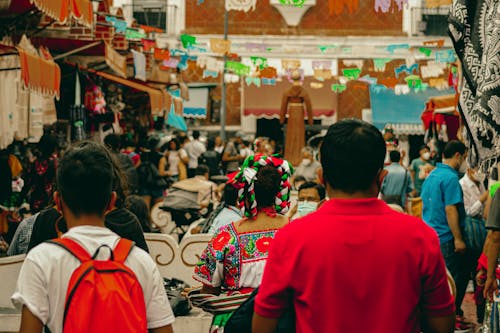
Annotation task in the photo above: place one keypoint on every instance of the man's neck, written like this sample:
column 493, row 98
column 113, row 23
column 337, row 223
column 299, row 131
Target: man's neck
column 88, row 220
column 449, row 163
column 338, row 194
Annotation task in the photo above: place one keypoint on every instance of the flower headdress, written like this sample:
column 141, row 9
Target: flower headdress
column 244, row 181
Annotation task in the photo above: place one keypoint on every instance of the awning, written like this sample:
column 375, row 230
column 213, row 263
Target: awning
column 275, row 113
column 160, row 100
column 443, row 104
column 390, row 108
column 62, row 10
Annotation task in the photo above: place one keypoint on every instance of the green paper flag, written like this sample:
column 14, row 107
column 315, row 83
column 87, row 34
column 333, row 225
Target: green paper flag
column 425, row 51
column 260, row 62
column 294, row 3
column 380, row 63
column 338, row 87
column 134, row 34
column 237, row 68
column 188, row 41
column 351, row 73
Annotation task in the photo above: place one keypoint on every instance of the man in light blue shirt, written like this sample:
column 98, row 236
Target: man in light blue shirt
column 443, row 210
column 397, row 182
column 228, row 211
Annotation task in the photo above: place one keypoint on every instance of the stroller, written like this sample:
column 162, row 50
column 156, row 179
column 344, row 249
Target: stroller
column 184, row 209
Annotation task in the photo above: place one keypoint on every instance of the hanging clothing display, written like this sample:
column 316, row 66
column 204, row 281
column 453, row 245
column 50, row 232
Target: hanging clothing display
column 475, row 33
column 139, row 65
column 174, row 119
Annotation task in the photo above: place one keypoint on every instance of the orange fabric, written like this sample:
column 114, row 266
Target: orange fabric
column 15, row 166
column 160, row 54
column 99, row 285
column 82, row 11
column 39, row 74
column 61, row 10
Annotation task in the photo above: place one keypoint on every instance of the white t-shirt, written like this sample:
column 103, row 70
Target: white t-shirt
column 173, row 162
column 43, row 281
column 194, row 149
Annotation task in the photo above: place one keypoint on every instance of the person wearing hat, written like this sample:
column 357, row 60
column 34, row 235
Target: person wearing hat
column 231, row 156
column 295, row 104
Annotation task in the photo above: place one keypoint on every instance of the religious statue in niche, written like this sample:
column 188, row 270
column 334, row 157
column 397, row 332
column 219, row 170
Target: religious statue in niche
column 295, row 103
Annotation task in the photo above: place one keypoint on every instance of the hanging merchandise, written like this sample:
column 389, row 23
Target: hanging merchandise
column 134, row 34
column 351, row 73
column 115, row 60
column 175, row 118
column 187, row 41
column 119, row 25
column 425, row 51
column 474, row 31
column 237, row 68
column 170, row 63
column 139, row 65
column 94, row 99
column 210, row 63
column 241, row 5
column 148, row 44
column 259, row 62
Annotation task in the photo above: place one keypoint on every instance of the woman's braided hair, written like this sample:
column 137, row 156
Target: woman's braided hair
column 245, row 182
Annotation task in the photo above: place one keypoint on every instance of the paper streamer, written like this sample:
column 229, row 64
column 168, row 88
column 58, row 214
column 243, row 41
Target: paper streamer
column 356, row 63
column 290, row 64
column 322, row 74
column 237, row 68
column 322, row 64
column 317, row 85
column 393, row 47
column 259, row 62
column 294, row 3
column 210, row 63
column 425, row 51
column 338, row 88
column 119, row 25
column 382, row 5
column 134, row 34
column 160, row 54
column 368, row 79
column 171, row 63
column 379, row 64
column 439, row 43
column 252, row 80
column 268, row 73
column 241, row 5
column 406, row 69
column 401, row 89
column 432, row 69
column 208, row 73
column 268, row 82
column 445, row 56
column 188, row 40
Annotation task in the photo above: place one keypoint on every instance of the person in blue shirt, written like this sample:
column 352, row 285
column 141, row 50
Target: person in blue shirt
column 396, row 184
column 443, row 210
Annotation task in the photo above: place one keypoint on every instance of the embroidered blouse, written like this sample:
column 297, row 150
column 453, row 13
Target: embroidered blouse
column 234, row 260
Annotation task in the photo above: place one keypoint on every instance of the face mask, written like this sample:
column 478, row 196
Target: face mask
column 306, row 207
column 306, row 162
column 426, row 156
column 463, row 167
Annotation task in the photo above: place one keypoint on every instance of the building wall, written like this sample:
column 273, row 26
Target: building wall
column 208, row 18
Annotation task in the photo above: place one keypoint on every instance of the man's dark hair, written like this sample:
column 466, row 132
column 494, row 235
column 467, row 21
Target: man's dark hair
column 267, row 185
column 352, row 154
column 85, row 179
column 230, row 195
column 453, row 147
column 202, row 170
column 394, row 156
column 196, row 134
column 114, row 142
column 318, row 187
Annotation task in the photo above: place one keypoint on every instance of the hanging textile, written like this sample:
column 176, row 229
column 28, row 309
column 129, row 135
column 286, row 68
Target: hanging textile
column 139, row 65
column 475, row 33
column 61, row 10
column 175, row 118
column 38, row 74
column 115, row 60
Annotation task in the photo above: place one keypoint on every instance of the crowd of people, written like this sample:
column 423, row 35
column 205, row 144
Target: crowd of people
column 341, row 247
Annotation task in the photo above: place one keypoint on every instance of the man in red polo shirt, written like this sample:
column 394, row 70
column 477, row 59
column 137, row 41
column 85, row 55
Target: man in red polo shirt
column 355, row 265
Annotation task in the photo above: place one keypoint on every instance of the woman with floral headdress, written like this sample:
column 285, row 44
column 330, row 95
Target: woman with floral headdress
column 234, row 259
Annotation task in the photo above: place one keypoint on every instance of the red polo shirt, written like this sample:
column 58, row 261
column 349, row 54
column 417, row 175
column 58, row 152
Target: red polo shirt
column 355, row 266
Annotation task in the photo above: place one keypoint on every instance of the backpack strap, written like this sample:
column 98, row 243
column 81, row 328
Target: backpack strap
column 72, row 247
column 122, row 250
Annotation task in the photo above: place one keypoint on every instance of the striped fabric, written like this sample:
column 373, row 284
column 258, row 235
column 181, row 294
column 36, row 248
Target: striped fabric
column 220, row 304
column 474, row 233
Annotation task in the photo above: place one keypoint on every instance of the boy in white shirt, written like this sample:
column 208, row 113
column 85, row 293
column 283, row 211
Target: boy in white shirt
column 84, row 196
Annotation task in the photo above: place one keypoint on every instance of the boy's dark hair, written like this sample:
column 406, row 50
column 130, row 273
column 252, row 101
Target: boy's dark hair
column 85, row 179
column 422, row 147
column 114, row 142
column 230, row 195
column 394, row 156
column 202, row 170
column 453, row 147
column 138, row 207
column 318, row 187
column 196, row 134
column 352, row 154
column 267, row 185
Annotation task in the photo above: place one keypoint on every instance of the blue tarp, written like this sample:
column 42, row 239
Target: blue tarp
column 387, row 107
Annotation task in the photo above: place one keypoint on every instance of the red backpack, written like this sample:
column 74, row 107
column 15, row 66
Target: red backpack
column 103, row 295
